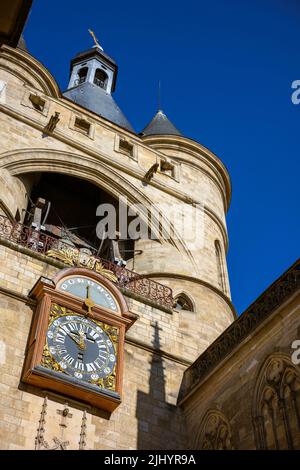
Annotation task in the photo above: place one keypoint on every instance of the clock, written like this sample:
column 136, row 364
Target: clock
column 81, row 286
column 76, row 343
column 81, row 347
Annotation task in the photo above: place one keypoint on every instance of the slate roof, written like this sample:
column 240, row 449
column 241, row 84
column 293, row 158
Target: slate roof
column 160, row 125
column 97, row 100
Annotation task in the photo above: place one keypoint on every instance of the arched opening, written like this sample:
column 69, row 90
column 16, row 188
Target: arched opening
column 214, row 432
column 82, row 74
column 101, row 79
column 276, row 406
column 64, row 207
column 183, row 302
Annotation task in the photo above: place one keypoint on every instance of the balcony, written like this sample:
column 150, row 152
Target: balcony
column 54, row 248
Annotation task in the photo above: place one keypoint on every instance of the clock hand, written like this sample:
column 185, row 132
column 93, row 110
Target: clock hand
column 74, row 338
column 82, row 339
column 88, row 301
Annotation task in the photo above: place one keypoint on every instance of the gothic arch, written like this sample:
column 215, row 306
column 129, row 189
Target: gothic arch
column 214, row 432
column 186, row 298
column 20, row 162
column 276, row 404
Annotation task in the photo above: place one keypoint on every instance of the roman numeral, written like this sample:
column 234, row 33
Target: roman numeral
column 69, row 359
column 103, row 355
column 94, row 334
column 64, row 330
column 90, row 367
column 73, row 326
column 99, row 363
column 61, row 349
column 79, row 365
column 60, row 338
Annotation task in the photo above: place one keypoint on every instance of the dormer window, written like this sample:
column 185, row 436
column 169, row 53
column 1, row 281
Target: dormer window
column 101, row 78
column 82, row 74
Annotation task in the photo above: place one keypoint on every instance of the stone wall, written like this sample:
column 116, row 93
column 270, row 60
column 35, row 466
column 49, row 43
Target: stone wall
column 258, row 384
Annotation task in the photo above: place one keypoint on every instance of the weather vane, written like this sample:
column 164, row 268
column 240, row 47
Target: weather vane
column 95, row 39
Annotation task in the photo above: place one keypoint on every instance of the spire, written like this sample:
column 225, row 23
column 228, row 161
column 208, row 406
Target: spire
column 22, row 44
column 160, row 125
column 92, row 82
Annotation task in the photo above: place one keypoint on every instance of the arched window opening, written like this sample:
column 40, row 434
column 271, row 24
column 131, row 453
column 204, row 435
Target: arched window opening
column 101, row 79
column 82, row 74
column 214, row 433
column 276, row 406
column 64, row 208
column 182, row 302
column 220, row 266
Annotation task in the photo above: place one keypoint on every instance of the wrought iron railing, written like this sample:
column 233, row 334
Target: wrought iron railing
column 56, row 248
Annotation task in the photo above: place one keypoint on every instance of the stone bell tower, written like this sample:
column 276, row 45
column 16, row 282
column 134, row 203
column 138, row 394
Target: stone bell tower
column 92, row 82
column 62, row 155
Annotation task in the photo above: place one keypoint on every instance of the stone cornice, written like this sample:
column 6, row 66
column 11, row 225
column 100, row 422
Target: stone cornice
column 33, row 67
column 196, row 150
column 228, row 342
column 106, row 160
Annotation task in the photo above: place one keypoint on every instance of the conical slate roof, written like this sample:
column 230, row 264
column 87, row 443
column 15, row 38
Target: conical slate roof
column 22, row 44
column 96, row 99
column 160, row 125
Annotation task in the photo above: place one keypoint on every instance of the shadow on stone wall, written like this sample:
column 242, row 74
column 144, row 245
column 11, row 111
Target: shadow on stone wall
column 159, row 422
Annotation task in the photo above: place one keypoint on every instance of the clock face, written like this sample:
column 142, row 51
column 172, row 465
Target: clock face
column 81, row 348
column 84, row 287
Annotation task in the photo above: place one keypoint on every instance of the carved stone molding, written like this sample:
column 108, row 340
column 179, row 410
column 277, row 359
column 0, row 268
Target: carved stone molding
column 276, row 404
column 46, row 439
column 214, row 433
column 240, row 329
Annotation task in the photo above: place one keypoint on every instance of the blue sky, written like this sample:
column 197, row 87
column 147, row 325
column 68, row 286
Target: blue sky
column 226, row 68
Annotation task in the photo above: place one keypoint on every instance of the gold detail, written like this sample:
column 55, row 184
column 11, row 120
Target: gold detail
column 67, row 255
column 72, row 257
column 57, row 311
column 94, row 37
column 49, row 362
column 88, row 301
column 99, row 268
column 109, row 382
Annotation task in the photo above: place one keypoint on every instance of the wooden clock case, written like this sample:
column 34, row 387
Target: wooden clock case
column 46, row 294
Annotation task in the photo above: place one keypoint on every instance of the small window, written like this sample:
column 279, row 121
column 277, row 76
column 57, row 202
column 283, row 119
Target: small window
column 82, row 126
column 167, row 168
column 37, row 102
column 82, row 74
column 182, row 302
column 18, row 216
column 220, row 266
column 126, row 147
column 101, row 79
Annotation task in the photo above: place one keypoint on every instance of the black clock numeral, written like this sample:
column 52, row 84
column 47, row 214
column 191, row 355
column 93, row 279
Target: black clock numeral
column 80, row 356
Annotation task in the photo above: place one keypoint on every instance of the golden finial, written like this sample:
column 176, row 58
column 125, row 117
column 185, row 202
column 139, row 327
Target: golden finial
column 95, row 39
